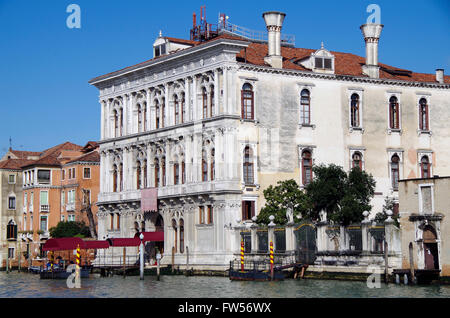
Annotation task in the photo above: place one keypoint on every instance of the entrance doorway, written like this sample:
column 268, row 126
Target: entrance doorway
column 431, row 252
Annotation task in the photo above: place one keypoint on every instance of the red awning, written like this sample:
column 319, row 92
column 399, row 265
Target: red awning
column 96, row 244
column 63, row 244
column 124, row 241
column 152, row 236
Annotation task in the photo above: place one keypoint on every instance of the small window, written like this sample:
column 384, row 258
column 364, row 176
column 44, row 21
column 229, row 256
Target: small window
column 423, row 114
column 306, row 167
column 63, row 175
column 11, row 179
column 43, row 176
column 354, row 111
column 87, row 173
column 248, row 166
column 324, row 63
column 71, row 218
column 395, row 174
column 357, row 160
column 247, row 102
column 12, row 203
column 11, row 231
column 210, row 215
column 248, row 210
column 201, row 212
column 425, row 167
column 394, row 113
column 305, row 107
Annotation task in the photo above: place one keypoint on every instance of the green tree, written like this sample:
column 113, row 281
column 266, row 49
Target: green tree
column 70, row 229
column 380, row 217
column 286, row 194
column 343, row 196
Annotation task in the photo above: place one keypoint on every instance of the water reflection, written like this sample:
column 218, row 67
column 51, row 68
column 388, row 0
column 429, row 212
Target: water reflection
column 28, row 285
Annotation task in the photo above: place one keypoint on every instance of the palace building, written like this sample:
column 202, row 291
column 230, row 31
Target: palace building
column 214, row 120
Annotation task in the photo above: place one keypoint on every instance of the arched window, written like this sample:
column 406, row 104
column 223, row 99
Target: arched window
column 11, row 230
column 145, row 173
column 115, row 178
column 163, row 113
column 211, row 101
column 213, row 162
column 247, row 101
column 395, row 172
column 248, row 166
column 175, row 236
column 306, row 167
column 423, row 114
column 177, row 109
column 205, row 103
column 204, row 166
column 425, row 167
column 144, row 116
column 139, row 115
column 138, row 175
column 181, row 236
column 305, row 107
column 183, row 172
column 121, row 176
column 156, row 172
column 121, row 121
column 183, row 109
column 157, row 114
column 163, row 171
column 357, row 160
column 176, row 173
column 12, row 202
column 394, row 113
column 354, row 111
column 116, row 123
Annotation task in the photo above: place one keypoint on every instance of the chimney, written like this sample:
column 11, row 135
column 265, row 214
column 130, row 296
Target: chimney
column 274, row 21
column 440, row 75
column 371, row 33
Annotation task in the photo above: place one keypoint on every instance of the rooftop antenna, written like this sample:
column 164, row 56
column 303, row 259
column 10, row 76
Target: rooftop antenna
column 10, row 143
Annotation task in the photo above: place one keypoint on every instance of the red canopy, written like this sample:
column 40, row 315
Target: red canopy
column 124, row 241
column 96, row 244
column 152, row 236
column 71, row 243
column 63, row 244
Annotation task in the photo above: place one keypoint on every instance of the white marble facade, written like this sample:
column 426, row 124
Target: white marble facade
column 154, row 124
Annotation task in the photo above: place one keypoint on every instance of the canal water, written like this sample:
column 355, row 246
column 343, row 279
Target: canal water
column 27, row 285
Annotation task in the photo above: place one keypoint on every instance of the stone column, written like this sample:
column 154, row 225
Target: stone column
column 166, row 106
column 389, row 232
column 102, row 122
column 125, row 106
column 365, row 233
column 109, row 120
column 132, row 112
column 148, row 118
column 187, row 101
column 254, row 236
column 225, row 90
column 290, row 237
column 216, row 93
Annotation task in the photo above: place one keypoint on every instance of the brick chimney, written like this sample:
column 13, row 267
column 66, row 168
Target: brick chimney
column 371, row 33
column 274, row 22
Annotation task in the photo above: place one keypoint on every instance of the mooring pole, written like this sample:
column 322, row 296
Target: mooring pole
column 271, row 260
column 158, row 257
column 141, row 257
column 173, row 258
column 242, row 255
column 124, row 258
column 386, row 263
column 7, row 262
column 77, row 270
column 187, row 260
column 411, row 262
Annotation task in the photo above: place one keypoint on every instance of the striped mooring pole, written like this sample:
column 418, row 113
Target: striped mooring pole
column 52, row 259
column 271, row 260
column 242, row 255
column 77, row 270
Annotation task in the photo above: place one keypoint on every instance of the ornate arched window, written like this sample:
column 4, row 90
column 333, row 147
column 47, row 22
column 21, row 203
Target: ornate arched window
column 157, row 114
column 175, row 236
column 204, row 166
column 213, row 163
column 211, row 101
column 306, row 167
column 183, row 108
column 145, row 173
column 357, row 160
column 139, row 117
column 176, row 105
column 121, row 176
column 163, row 113
column 394, row 113
column 354, row 111
column 205, row 103
column 116, row 123
column 183, row 172
column 156, row 172
column 115, row 175
column 181, row 236
column 395, row 171
column 423, row 114
column 11, row 230
column 248, row 166
column 138, row 174
column 163, row 171
column 305, row 107
column 176, row 173
column 247, row 101
column 425, row 167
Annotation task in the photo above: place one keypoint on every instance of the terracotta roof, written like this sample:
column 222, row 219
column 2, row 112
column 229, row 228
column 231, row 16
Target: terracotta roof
column 50, row 157
column 24, row 154
column 345, row 63
column 14, row 164
column 181, row 41
column 93, row 156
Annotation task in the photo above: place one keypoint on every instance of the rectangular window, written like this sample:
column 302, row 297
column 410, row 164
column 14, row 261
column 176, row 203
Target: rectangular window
column 176, row 173
column 43, row 176
column 248, row 210
column 43, row 224
column 202, row 215
column 118, row 221
column 31, row 223
column 87, row 173
column 62, row 217
column 63, row 198
column 63, row 174
column 427, row 200
column 210, row 214
column 25, row 201
column 12, row 203
column 71, row 218
column 11, row 179
column 43, row 201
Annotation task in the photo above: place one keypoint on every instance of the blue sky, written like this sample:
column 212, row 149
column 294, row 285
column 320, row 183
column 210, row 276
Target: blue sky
column 45, row 66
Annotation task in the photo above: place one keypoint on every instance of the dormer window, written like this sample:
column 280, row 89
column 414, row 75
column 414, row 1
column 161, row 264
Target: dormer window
column 323, row 63
column 160, row 50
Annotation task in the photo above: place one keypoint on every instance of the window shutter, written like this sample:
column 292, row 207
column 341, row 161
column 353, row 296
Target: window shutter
column 253, row 208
